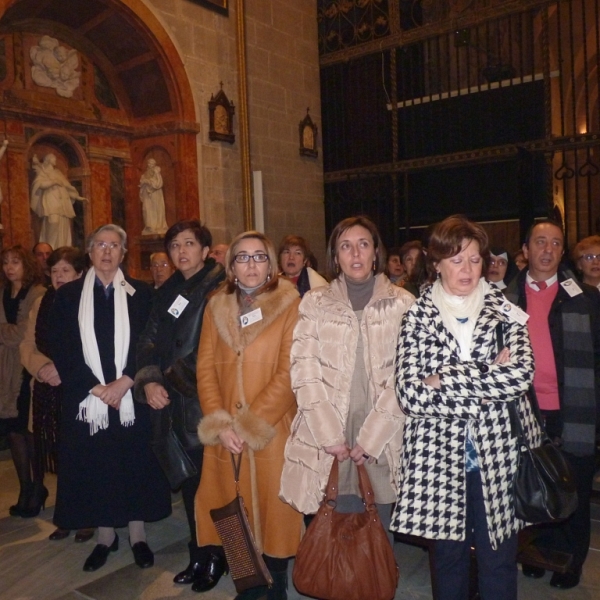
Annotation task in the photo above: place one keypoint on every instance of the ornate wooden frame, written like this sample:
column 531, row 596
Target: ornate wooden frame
column 220, row 115
column 220, row 6
column 308, row 136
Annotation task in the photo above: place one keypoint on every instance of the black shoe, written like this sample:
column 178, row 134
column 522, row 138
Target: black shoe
column 193, row 571
column 18, row 509
column 99, row 555
column 144, row 558
column 37, row 501
column 214, row 568
column 59, row 534
column 533, row 572
column 83, row 535
column 565, row 581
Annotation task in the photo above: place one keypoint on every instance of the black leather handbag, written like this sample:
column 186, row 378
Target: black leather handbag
column 544, row 489
column 173, row 459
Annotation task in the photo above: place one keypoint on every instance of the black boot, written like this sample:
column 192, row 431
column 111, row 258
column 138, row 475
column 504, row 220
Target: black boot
column 37, row 500
column 194, row 568
column 278, row 590
column 213, row 569
column 256, row 593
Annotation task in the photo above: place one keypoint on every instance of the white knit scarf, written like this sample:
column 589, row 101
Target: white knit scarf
column 92, row 410
column 453, row 308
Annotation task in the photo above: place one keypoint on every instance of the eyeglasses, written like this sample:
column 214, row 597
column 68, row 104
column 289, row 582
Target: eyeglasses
column 102, row 246
column 159, row 265
column 259, row 257
column 590, row 257
column 498, row 262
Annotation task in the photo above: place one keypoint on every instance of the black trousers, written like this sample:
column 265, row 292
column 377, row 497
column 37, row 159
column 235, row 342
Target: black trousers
column 497, row 568
column 189, row 488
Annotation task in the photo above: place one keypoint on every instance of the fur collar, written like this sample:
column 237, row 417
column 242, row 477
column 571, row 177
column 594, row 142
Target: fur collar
column 225, row 312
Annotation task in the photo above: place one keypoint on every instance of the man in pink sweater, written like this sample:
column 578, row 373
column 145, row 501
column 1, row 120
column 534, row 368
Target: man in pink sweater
column 564, row 326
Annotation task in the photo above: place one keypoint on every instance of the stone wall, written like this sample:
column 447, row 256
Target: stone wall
column 283, row 80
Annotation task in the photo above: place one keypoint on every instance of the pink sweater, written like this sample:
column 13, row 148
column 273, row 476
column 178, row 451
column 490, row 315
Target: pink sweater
column 545, row 380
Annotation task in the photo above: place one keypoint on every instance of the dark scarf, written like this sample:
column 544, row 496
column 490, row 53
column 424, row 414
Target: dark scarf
column 578, row 399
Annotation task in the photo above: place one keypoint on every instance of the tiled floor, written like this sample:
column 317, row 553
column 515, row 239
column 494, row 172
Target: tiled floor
column 33, row 568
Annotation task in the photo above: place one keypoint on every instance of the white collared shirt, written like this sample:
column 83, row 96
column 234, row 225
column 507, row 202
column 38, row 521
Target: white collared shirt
column 531, row 282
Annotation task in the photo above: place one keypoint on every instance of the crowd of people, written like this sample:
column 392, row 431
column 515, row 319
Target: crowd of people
column 404, row 361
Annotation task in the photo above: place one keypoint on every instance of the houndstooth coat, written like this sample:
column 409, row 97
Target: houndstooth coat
column 432, row 479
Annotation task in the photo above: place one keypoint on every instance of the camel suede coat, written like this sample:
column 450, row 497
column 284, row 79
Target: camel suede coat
column 323, row 358
column 244, row 382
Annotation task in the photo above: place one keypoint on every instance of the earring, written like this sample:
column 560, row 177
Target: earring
column 374, row 265
column 337, row 269
column 268, row 277
column 235, row 281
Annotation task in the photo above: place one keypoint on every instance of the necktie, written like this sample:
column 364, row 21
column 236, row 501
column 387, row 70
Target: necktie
column 542, row 285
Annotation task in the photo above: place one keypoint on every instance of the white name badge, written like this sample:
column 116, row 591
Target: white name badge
column 514, row 313
column 251, row 317
column 128, row 287
column 571, row 287
column 178, row 306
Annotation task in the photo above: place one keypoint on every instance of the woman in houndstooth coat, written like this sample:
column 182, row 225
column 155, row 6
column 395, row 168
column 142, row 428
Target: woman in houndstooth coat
column 454, row 384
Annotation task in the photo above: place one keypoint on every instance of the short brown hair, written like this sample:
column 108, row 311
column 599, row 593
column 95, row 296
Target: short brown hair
column 447, row 238
column 69, row 254
column 583, row 245
column 294, row 240
column 407, row 247
column 342, row 227
column 272, row 277
column 32, row 272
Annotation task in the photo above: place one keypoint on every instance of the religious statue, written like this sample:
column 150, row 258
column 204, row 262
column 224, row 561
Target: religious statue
column 52, row 197
column 153, row 200
column 55, row 67
column 2, row 151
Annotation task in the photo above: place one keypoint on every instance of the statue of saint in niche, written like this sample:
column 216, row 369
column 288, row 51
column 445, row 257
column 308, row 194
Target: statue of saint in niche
column 55, row 67
column 52, row 198
column 153, row 200
column 2, row 151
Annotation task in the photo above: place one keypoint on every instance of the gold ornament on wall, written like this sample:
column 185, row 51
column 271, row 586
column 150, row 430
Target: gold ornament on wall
column 220, row 113
column 308, row 136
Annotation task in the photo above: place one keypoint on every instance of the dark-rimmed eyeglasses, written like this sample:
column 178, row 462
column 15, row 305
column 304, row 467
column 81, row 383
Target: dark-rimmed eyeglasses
column 259, row 257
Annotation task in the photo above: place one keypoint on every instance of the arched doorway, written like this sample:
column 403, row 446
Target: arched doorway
column 101, row 80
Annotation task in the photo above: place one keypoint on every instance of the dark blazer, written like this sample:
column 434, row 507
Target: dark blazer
column 587, row 303
column 167, row 350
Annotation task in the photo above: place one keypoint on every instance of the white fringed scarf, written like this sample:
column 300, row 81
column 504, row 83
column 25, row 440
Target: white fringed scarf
column 92, row 410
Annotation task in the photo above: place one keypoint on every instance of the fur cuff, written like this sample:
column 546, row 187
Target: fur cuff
column 256, row 432
column 212, row 425
column 149, row 374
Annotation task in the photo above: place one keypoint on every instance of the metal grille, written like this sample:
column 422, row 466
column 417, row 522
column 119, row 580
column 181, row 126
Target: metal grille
column 462, row 85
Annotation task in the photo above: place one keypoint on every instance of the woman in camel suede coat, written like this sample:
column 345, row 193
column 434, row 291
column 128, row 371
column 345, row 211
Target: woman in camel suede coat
column 245, row 393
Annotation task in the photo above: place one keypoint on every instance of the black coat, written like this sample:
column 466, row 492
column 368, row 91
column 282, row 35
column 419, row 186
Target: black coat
column 167, row 351
column 112, row 477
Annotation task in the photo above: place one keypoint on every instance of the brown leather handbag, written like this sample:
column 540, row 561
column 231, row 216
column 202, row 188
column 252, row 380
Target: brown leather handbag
column 346, row 556
column 245, row 561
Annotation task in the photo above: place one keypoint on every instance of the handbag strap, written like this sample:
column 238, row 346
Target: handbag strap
column 515, row 419
column 364, row 485
column 236, row 461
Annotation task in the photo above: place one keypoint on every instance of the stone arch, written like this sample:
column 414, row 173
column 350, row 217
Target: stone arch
column 123, row 49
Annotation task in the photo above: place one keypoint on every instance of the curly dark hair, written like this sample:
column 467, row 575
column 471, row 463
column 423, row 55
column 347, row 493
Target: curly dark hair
column 32, row 272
